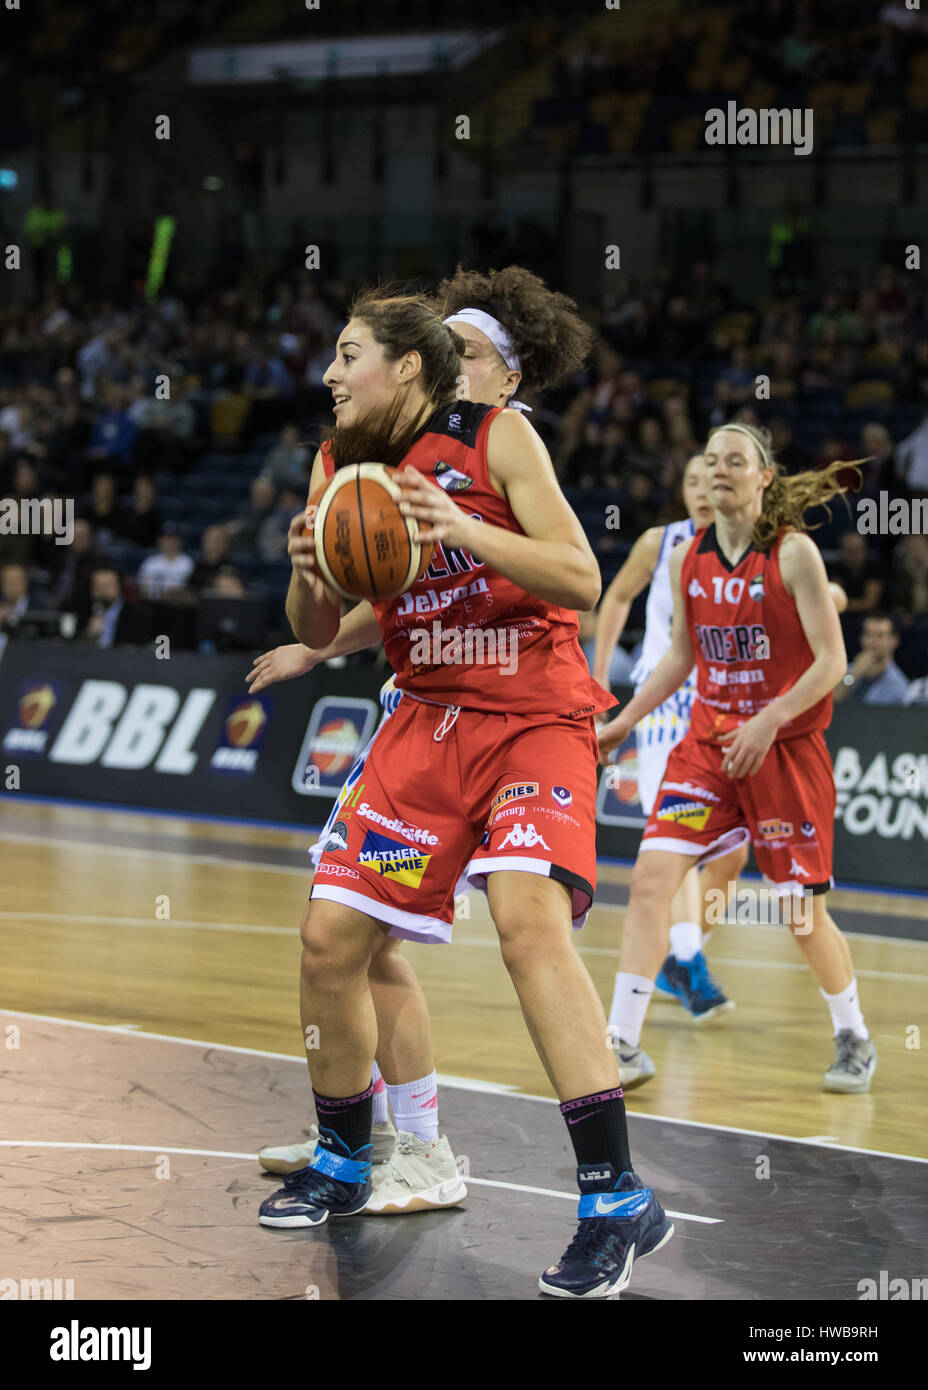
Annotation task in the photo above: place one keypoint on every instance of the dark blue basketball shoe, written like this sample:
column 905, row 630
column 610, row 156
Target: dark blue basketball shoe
column 335, row 1183
column 690, row 982
column 620, row 1222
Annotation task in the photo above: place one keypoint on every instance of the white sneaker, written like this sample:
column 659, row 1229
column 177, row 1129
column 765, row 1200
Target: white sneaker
column 635, row 1066
column 293, row 1156
column 422, row 1175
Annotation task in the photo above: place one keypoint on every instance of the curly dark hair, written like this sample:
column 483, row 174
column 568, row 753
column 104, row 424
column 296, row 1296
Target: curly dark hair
column 548, row 334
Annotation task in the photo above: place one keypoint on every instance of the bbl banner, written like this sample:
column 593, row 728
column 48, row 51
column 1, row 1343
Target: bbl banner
column 184, row 735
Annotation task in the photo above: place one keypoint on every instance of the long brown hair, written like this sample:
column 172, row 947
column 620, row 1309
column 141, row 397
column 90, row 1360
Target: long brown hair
column 789, row 496
column 400, row 323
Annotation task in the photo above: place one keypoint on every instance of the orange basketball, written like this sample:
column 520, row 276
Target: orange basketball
column 365, row 547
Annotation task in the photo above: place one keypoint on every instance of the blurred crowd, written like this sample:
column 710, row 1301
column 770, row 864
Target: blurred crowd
column 184, row 431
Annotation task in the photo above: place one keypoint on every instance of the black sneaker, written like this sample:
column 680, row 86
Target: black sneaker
column 620, row 1221
column 336, row 1183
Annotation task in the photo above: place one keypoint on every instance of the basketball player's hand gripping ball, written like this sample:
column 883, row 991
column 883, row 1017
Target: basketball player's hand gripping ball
column 438, row 517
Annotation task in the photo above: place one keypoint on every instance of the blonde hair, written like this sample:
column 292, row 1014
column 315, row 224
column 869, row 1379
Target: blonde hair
column 789, row 496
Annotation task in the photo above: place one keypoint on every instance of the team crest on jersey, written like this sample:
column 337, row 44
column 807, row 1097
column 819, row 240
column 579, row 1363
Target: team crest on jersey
column 682, row 811
column 515, row 791
column 392, row 859
column 562, row 796
column 450, row 479
column 775, row 829
column 756, row 588
column 808, row 829
column 696, row 590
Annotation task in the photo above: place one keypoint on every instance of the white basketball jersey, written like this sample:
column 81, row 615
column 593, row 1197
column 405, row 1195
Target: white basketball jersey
column 659, row 611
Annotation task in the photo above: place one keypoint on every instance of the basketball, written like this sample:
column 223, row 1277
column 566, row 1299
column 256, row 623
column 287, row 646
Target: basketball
column 365, row 546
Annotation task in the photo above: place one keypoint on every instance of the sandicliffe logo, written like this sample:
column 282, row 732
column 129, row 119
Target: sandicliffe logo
column 242, row 733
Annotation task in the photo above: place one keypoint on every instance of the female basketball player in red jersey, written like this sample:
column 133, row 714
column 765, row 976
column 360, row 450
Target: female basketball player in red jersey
column 496, row 772
column 752, row 608
column 516, row 332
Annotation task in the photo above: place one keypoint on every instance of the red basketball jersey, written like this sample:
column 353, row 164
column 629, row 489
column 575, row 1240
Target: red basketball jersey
column 748, row 640
column 478, row 625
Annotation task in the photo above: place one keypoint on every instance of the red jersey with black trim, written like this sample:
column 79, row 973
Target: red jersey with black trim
column 463, row 634
column 748, row 640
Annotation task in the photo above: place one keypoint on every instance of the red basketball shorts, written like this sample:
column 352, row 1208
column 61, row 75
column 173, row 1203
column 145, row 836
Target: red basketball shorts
column 786, row 809
column 445, row 794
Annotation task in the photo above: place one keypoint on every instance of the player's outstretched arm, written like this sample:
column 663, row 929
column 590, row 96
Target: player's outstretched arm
column 635, row 575
column 359, row 629
column 668, row 675
column 553, row 560
column 313, row 610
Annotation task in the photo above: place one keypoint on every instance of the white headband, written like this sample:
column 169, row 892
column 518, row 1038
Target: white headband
column 500, row 339
column 743, row 429
column 494, row 331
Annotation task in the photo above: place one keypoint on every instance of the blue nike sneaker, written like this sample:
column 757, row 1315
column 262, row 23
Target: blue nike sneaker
column 336, row 1183
column 620, row 1222
column 691, row 983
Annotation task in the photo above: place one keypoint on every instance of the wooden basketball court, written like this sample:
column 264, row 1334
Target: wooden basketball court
column 149, row 969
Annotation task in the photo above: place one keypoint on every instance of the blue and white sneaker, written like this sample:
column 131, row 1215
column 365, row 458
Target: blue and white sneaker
column 335, row 1183
column 691, row 983
column 620, row 1221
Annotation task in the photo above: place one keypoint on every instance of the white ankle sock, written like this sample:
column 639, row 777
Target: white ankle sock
column 415, row 1106
column 380, row 1112
column 630, row 1000
column 685, row 940
column 845, row 1010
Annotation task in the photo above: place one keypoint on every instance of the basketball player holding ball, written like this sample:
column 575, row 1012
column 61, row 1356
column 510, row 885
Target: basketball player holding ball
column 752, row 610
column 528, row 335
column 499, row 771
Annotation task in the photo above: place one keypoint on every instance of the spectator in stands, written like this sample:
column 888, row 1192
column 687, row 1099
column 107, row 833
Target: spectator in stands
column 228, row 583
column 102, row 511
column 265, row 376
column 912, row 456
column 791, row 457
column 141, row 522
column 114, row 622
column 289, row 461
column 879, row 474
column 910, row 589
column 245, row 527
column 214, row 556
column 19, row 547
column 71, row 585
column 166, row 431
column 14, row 595
column 873, row 678
column 738, row 376
column 170, row 569
column 113, row 435
column 271, row 540
column 854, row 572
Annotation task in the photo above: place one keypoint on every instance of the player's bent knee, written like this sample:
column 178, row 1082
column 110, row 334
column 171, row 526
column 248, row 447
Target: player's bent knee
column 336, row 944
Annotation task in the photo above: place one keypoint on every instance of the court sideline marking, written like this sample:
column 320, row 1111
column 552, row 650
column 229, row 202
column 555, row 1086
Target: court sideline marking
column 463, row 1083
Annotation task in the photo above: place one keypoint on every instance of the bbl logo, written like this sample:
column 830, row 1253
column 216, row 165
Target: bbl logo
column 562, row 796
column 242, row 734
column 35, row 707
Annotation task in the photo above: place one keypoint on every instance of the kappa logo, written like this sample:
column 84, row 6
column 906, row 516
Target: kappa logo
column 337, row 870
column 681, row 811
column 527, row 838
column 450, row 478
column 514, row 791
column 392, row 859
column 562, row 796
column 798, row 870
column 696, row 590
column 775, row 829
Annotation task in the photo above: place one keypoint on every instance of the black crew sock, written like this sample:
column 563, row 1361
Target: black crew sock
column 598, row 1130
column 350, row 1118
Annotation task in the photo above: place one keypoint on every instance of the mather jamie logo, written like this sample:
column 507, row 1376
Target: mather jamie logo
column 735, row 126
